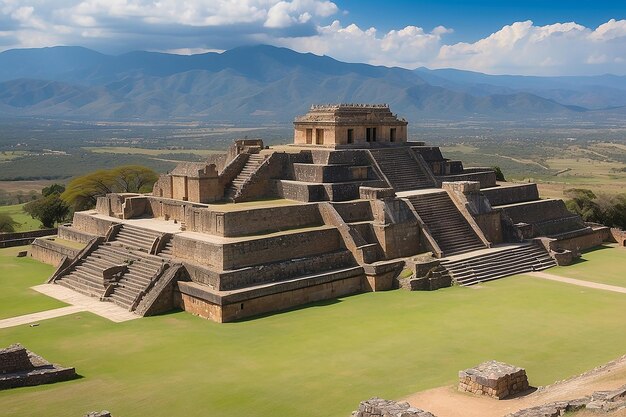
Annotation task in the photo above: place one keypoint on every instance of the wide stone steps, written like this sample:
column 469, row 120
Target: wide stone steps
column 498, row 264
column 401, row 169
column 87, row 276
column 447, row 225
column 136, row 237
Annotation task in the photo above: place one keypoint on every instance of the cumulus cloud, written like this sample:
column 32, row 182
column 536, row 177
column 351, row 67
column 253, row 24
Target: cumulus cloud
column 170, row 24
column 404, row 47
column 561, row 48
column 519, row 48
column 306, row 25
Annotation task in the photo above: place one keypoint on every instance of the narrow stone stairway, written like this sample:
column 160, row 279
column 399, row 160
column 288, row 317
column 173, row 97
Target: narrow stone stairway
column 251, row 166
column 136, row 238
column 447, row 225
column 500, row 264
column 401, row 169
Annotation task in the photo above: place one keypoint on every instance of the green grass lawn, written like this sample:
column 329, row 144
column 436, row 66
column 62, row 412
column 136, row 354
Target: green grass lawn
column 17, row 275
column 320, row 360
column 26, row 222
column 605, row 264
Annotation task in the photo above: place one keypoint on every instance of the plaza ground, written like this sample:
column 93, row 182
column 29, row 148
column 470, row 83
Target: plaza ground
column 320, row 360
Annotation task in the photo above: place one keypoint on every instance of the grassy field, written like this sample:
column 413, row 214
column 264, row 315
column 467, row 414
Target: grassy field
column 316, row 361
column 151, row 152
column 612, row 272
column 17, row 275
column 25, row 221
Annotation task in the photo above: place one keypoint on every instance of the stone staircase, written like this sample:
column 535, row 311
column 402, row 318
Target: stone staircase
column 86, row 277
column 251, row 166
column 136, row 238
column 500, row 264
column 167, row 251
column 447, row 225
column 401, row 169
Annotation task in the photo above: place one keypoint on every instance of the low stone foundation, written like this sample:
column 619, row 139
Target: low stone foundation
column 603, row 401
column 494, row 379
column 22, row 368
column 377, row 407
column 50, row 252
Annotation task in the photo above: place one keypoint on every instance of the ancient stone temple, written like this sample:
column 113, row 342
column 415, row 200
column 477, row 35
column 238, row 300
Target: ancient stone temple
column 344, row 209
column 345, row 125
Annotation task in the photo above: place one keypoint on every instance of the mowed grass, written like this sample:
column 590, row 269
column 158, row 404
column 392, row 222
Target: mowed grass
column 320, row 360
column 17, row 213
column 17, row 275
column 605, row 264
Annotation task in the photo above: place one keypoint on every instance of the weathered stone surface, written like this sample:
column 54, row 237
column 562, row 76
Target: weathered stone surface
column 22, row 368
column 377, row 407
column 103, row 413
column 600, row 401
column 494, row 379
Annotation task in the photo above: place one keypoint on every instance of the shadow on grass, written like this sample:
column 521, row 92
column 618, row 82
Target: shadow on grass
column 322, row 303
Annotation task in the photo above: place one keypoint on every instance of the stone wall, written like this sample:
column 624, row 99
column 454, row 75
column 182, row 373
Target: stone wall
column 84, row 221
column 377, row 407
column 221, row 256
column 508, row 194
column 202, row 307
column 68, row 232
column 22, row 368
column 50, row 252
column 23, row 238
column 485, row 178
column 538, row 211
column 493, row 379
column 618, row 236
column 14, row 359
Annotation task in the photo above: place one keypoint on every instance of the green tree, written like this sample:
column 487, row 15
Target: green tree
column 49, row 210
column 53, row 189
column 499, row 174
column 582, row 202
column 83, row 192
column 7, row 224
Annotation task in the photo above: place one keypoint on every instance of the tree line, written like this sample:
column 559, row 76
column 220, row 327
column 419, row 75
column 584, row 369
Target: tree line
column 57, row 203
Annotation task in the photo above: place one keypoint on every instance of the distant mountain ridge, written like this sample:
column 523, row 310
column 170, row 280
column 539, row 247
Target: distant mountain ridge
column 264, row 84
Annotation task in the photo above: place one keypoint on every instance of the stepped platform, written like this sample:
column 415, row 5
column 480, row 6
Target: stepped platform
column 401, row 169
column 225, row 306
column 498, row 262
column 446, row 224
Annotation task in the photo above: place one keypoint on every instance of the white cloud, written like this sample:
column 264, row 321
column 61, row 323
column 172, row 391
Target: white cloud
column 561, row 48
column 403, row 47
column 304, row 25
column 519, row 48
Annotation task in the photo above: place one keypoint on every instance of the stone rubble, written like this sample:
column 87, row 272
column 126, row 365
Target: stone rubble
column 378, row 407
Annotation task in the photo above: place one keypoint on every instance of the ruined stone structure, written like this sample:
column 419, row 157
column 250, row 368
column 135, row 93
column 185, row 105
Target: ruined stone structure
column 493, row 379
column 22, row 368
column 377, row 407
column 336, row 218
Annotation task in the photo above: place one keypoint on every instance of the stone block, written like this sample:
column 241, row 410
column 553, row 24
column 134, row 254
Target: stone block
column 493, row 379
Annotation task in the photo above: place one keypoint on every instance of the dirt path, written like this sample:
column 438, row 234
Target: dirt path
column 448, row 402
column 578, row 282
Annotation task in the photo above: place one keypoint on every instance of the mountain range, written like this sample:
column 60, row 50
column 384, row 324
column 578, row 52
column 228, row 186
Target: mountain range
column 266, row 84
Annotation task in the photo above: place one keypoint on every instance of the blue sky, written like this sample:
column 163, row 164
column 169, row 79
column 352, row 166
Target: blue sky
column 497, row 37
column 473, row 20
